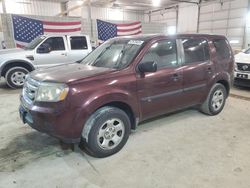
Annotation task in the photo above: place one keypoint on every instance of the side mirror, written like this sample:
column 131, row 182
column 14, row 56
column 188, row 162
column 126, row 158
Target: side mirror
column 43, row 49
column 148, row 66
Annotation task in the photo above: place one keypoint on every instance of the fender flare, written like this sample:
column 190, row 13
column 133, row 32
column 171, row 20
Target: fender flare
column 15, row 61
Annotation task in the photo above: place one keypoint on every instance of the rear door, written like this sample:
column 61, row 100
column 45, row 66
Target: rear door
column 79, row 47
column 160, row 92
column 197, row 69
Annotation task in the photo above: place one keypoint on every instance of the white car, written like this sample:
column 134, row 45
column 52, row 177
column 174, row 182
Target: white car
column 44, row 51
column 242, row 68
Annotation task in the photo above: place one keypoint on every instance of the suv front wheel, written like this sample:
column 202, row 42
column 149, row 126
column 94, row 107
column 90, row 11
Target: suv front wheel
column 15, row 77
column 215, row 101
column 109, row 131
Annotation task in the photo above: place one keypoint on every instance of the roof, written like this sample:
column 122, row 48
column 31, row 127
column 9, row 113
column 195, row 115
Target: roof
column 148, row 37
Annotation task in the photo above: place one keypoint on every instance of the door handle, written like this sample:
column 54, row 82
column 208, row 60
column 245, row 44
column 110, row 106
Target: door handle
column 209, row 70
column 65, row 54
column 175, row 77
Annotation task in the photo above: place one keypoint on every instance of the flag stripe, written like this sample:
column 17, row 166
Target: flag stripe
column 128, row 30
column 61, row 23
column 61, row 27
column 61, row 30
column 130, row 24
column 129, row 27
column 129, row 33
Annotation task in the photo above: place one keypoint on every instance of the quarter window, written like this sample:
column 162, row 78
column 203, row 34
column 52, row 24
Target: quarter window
column 55, row 43
column 222, row 50
column 195, row 50
column 78, row 43
column 163, row 53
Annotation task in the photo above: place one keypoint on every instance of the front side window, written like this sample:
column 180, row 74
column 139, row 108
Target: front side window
column 222, row 50
column 54, row 43
column 78, row 43
column 164, row 53
column 195, row 50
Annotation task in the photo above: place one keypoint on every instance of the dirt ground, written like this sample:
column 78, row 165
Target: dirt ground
column 182, row 150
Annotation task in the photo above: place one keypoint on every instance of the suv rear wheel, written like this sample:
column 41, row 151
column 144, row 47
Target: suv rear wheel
column 15, row 77
column 109, row 131
column 215, row 101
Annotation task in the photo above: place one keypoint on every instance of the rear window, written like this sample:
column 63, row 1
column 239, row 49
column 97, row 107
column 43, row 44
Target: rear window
column 222, row 50
column 195, row 50
column 78, row 43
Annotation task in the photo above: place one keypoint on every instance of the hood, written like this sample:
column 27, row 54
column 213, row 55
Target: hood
column 11, row 51
column 242, row 58
column 67, row 73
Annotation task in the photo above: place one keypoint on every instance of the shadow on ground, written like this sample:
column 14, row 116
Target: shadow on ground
column 27, row 148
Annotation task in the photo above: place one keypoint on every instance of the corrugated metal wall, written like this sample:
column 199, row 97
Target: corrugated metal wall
column 105, row 13
column 228, row 19
column 31, row 7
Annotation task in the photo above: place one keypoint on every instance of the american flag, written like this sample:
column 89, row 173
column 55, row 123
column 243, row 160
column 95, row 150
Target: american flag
column 26, row 29
column 107, row 30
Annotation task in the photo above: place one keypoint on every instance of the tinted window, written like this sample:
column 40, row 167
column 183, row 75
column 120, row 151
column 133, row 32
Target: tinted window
column 222, row 49
column 163, row 53
column 55, row 43
column 195, row 50
column 78, row 43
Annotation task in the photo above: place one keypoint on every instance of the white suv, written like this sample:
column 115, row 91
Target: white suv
column 242, row 68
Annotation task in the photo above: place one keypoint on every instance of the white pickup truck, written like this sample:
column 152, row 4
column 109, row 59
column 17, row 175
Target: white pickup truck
column 44, row 51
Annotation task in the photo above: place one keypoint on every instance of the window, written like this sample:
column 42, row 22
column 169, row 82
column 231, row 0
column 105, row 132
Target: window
column 55, row 43
column 78, row 43
column 195, row 50
column 113, row 54
column 163, row 53
column 222, row 50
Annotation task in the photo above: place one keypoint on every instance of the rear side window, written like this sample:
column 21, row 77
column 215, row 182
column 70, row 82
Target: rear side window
column 163, row 53
column 195, row 50
column 78, row 43
column 222, row 50
column 55, row 43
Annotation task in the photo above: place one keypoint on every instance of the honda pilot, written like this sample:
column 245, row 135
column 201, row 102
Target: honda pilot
column 125, row 81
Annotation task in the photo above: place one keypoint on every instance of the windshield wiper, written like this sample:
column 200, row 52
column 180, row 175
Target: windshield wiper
column 98, row 57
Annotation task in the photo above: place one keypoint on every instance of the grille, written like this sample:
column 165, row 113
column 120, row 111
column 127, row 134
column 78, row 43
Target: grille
column 30, row 89
column 243, row 67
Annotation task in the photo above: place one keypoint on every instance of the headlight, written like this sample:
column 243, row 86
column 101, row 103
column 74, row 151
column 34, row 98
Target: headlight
column 51, row 92
column 235, row 67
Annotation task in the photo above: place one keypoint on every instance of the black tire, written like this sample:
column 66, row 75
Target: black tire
column 96, row 122
column 207, row 107
column 11, row 72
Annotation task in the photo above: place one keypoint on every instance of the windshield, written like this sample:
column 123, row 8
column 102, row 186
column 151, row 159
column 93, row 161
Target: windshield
column 114, row 54
column 34, row 43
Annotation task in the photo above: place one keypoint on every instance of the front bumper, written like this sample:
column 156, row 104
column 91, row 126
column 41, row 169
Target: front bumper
column 55, row 121
column 242, row 79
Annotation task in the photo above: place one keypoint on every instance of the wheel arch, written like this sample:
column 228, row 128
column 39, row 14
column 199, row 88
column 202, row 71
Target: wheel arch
column 118, row 101
column 16, row 63
column 226, row 84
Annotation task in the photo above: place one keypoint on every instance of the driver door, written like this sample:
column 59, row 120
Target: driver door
column 57, row 55
column 161, row 91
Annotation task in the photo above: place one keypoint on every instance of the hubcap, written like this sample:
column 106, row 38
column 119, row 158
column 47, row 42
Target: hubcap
column 110, row 134
column 18, row 78
column 217, row 100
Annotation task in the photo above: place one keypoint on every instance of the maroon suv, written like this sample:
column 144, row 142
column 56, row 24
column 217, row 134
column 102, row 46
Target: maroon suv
column 125, row 81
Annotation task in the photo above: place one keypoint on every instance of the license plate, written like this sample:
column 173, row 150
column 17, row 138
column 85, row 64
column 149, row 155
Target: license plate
column 245, row 76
